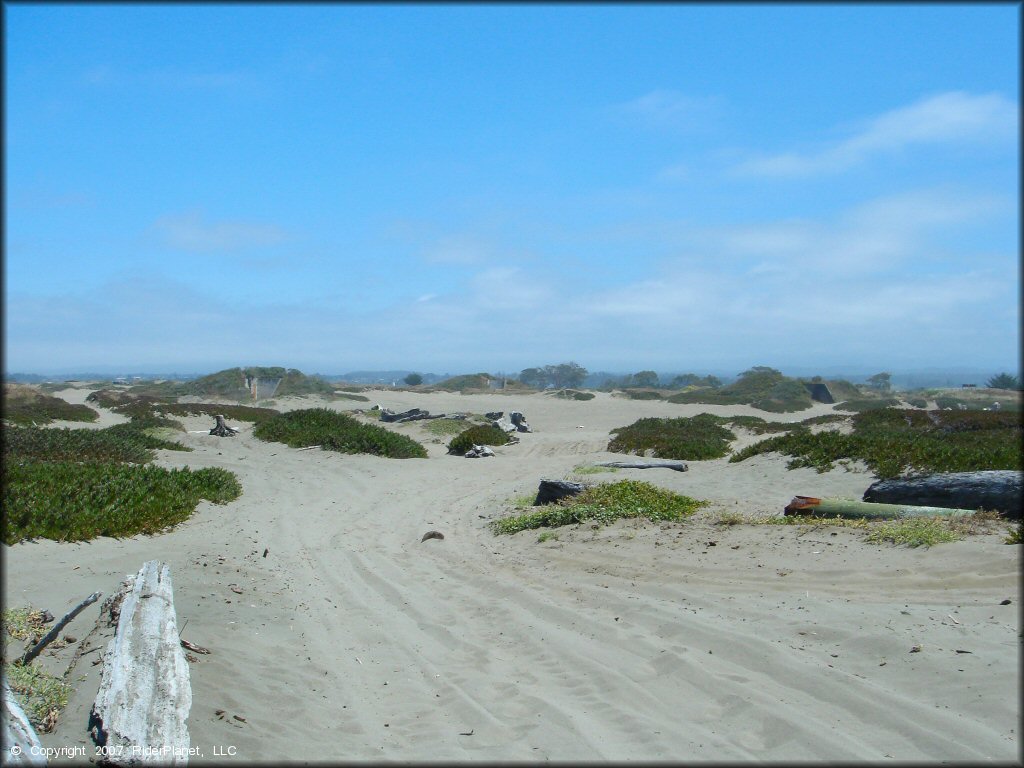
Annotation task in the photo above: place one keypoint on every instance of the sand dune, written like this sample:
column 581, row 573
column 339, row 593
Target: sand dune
column 352, row 640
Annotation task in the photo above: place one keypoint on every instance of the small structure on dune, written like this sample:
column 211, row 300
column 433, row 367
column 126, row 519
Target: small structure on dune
column 820, row 392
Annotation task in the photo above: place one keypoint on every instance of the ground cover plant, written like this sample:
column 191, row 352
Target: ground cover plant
column 121, row 443
column 603, row 504
column 71, row 501
column 867, row 404
column 760, row 387
column 335, row 431
column 572, row 394
column 28, row 405
column 444, row 427
column 692, row 438
column 235, row 412
column 642, row 394
column 896, row 441
column 481, row 434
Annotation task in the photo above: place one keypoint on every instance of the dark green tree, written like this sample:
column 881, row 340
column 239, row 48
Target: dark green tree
column 413, row 379
column 880, row 382
column 1004, row 381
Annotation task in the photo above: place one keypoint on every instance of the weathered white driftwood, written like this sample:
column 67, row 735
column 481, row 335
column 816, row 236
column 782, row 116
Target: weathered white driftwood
column 145, row 693
column 21, row 744
column 678, row 466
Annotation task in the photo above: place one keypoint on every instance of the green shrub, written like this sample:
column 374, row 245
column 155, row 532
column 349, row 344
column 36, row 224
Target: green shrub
column 464, row 383
column 481, row 434
column 893, row 441
column 28, row 405
column 348, row 396
column 917, row 402
column 784, row 397
column 603, row 504
column 336, row 432
column 694, row 438
column 761, row 387
column 70, row 501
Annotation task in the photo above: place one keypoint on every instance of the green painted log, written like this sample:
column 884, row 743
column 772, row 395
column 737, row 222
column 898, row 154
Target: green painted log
column 851, row 508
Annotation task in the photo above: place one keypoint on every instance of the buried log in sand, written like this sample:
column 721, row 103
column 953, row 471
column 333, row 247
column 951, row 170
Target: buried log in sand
column 851, row 508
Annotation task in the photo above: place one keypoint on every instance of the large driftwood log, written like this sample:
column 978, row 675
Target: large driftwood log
column 222, row 429
column 678, row 466
column 551, row 491
column 145, row 693
column 413, row 414
column 21, row 744
column 998, row 490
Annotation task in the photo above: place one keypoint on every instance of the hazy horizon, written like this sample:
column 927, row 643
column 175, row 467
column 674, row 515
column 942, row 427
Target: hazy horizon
column 489, row 187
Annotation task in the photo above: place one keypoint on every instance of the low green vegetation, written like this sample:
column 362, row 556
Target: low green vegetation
column 481, row 434
column 894, row 441
column 760, row 387
column 444, row 427
column 1015, row 534
column 867, row 404
column 591, row 469
column 70, row 501
column 917, row 402
column 349, row 396
column 335, row 431
column 465, row 383
column 231, row 412
column 572, row 394
column 28, row 405
column 693, row 438
column 42, row 695
column 913, row 532
column 547, row 536
column 603, row 504
column 128, row 442
column 642, row 394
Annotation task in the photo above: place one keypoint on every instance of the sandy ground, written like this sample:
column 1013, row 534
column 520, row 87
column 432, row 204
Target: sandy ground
column 352, row 640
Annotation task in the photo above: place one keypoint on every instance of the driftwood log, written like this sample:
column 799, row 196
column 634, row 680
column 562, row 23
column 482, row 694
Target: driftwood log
column 678, row 466
column 866, row 510
column 996, row 490
column 145, row 692
column 551, row 491
column 21, row 743
column 222, row 429
column 50, row 636
column 413, row 414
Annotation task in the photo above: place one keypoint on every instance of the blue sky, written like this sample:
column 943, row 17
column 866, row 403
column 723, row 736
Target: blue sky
column 492, row 187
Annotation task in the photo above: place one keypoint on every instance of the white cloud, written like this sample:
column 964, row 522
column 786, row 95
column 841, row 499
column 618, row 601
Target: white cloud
column 946, row 118
column 192, row 232
column 670, row 109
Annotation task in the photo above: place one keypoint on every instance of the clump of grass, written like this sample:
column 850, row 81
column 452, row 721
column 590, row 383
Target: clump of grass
column 839, row 522
column 893, row 441
column 120, row 443
column 591, row 469
column 913, row 532
column 694, row 438
column 336, row 432
column 347, row 396
column 24, row 624
column 71, row 501
column 603, row 504
column 482, row 434
column 40, row 694
column 1015, row 535
column 547, row 536
column 917, row 402
column 444, row 427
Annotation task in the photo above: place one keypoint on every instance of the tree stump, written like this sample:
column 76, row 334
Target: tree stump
column 222, row 429
column 551, row 491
